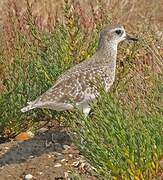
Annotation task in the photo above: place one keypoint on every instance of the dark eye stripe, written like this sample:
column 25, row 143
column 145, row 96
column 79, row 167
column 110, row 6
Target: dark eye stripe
column 118, row 32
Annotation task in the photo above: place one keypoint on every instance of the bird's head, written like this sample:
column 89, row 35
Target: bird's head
column 114, row 34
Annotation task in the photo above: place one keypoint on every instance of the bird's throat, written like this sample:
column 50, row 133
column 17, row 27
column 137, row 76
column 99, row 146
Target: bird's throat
column 107, row 54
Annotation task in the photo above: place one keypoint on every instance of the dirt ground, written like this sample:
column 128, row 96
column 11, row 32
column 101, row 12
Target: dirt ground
column 49, row 155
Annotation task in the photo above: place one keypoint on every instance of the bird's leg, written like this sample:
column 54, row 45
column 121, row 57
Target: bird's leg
column 86, row 110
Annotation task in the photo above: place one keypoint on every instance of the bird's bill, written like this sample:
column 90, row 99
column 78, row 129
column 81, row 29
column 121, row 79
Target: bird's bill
column 128, row 37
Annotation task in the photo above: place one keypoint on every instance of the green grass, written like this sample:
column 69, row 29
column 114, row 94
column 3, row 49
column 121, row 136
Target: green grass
column 123, row 134
column 117, row 141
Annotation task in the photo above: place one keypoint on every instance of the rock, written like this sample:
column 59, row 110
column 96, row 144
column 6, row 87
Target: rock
column 66, row 147
column 28, row 177
column 42, row 130
column 70, row 155
column 76, row 163
column 58, row 165
column 24, row 136
column 49, row 156
column 63, row 160
column 56, row 154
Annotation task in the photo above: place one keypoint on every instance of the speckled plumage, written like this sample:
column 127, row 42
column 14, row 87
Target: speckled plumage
column 78, row 84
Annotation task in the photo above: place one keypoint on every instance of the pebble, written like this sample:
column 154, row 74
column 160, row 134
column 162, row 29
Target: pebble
column 28, row 177
column 58, row 165
column 30, row 133
column 23, row 136
column 76, row 163
column 57, row 154
column 49, row 156
column 70, row 155
column 31, row 157
column 63, row 160
column 66, row 147
column 42, row 130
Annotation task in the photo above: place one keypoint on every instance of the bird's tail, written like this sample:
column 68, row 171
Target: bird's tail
column 28, row 108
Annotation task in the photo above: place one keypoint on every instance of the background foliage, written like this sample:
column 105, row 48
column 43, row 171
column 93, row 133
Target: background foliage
column 123, row 137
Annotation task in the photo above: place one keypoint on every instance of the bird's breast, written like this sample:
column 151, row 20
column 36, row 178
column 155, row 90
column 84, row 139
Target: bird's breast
column 108, row 78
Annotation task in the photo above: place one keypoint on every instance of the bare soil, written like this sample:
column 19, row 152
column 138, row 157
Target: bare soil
column 49, row 155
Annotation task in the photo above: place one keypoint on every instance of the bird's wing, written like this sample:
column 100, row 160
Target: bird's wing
column 69, row 88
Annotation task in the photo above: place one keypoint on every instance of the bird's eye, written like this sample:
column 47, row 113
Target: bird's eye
column 118, row 32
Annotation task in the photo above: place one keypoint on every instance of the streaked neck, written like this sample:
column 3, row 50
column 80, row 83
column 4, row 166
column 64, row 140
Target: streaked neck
column 107, row 52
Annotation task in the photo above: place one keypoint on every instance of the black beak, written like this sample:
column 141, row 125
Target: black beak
column 128, row 37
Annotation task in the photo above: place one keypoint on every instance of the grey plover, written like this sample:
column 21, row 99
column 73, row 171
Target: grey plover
column 77, row 86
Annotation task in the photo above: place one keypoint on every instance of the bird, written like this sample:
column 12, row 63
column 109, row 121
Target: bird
column 78, row 85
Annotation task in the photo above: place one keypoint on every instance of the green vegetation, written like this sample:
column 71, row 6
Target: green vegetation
column 118, row 141
column 123, row 136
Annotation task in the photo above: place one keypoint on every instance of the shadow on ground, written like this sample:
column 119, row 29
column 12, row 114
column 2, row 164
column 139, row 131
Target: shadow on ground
column 42, row 143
